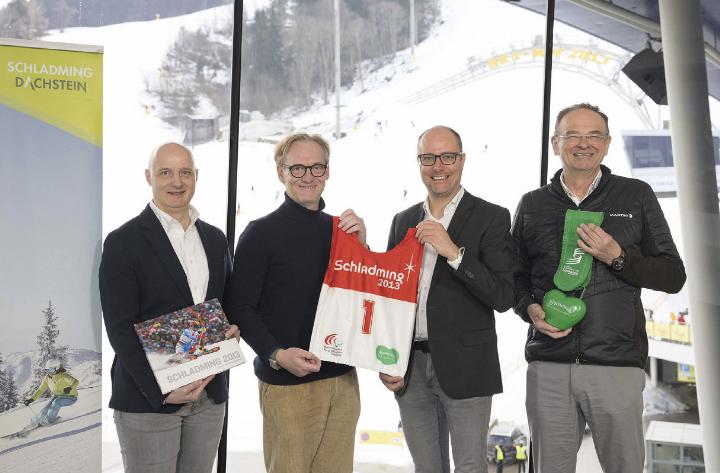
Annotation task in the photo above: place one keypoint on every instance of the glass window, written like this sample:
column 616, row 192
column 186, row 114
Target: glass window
column 693, row 453
column 649, row 151
column 472, row 79
column 666, row 452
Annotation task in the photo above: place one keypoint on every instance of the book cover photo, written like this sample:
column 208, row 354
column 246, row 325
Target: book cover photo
column 188, row 345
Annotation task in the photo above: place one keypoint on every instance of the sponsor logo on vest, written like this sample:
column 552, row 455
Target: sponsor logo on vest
column 332, row 345
column 621, row 214
column 374, row 270
column 387, row 356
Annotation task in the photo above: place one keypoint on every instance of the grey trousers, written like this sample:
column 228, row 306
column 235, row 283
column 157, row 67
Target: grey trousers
column 467, row 420
column 561, row 398
column 183, row 442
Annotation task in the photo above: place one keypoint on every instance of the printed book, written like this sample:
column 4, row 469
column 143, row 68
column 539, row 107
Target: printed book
column 188, row 345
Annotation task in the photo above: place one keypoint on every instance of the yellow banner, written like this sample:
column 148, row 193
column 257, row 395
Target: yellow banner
column 662, row 331
column 381, row 437
column 59, row 87
column 680, row 333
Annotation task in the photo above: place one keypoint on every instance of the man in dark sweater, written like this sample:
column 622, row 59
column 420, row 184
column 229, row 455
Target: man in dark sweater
column 309, row 410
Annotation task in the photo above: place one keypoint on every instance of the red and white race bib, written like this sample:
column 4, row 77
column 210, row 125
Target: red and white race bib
column 366, row 312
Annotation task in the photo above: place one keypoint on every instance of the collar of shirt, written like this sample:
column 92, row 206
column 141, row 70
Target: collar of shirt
column 448, row 211
column 168, row 221
column 573, row 197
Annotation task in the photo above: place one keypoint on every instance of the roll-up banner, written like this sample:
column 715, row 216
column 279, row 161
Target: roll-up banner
column 50, row 243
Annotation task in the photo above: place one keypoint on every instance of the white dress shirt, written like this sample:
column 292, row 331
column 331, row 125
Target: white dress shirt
column 428, row 265
column 189, row 250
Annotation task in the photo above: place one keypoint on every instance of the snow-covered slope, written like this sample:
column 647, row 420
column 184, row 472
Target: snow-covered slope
column 71, row 444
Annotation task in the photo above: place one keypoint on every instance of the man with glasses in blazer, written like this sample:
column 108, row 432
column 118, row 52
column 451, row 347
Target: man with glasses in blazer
column 466, row 275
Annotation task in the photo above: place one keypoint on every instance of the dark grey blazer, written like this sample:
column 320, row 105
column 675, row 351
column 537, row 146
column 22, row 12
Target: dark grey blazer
column 141, row 278
column 461, row 304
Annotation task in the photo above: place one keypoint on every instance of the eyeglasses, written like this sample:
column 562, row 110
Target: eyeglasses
column 593, row 139
column 299, row 170
column 428, row 159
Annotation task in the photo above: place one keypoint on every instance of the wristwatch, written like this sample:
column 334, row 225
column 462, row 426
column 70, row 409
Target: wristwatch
column 272, row 361
column 618, row 263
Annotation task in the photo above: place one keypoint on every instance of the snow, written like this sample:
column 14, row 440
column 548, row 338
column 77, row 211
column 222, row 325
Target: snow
column 373, row 167
column 70, row 444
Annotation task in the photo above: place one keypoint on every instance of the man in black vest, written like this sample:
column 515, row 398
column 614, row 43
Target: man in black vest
column 593, row 371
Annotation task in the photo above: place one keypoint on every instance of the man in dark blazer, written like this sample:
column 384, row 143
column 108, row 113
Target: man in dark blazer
column 163, row 260
column 466, row 275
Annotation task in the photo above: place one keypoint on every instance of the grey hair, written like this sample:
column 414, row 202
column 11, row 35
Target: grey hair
column 579, row 106
column 153, row 154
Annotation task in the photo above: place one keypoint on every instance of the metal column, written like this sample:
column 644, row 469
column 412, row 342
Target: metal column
column 547, row 93
column 653, row 371
column 687, row 88
column 232, row 182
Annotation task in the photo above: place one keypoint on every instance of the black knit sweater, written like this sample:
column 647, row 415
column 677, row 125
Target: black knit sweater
column 280, row 262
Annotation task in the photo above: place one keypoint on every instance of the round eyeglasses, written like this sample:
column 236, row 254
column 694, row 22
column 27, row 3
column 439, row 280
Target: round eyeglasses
column 298, row 170
column 428, row 159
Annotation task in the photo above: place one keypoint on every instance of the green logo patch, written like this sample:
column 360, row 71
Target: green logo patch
column 387, row 356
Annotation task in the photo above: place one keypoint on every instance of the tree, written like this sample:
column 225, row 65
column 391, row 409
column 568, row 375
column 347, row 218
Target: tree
column 8, row 390
column 196, row 69
column 59, row 14
column 389, row 20
column 51, row 354
column 24, row 19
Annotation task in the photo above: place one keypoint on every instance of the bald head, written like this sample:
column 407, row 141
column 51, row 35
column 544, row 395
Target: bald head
column 171, row 147
column 438, row 131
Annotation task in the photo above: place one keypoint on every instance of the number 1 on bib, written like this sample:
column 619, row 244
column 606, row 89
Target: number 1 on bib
column 368, row 310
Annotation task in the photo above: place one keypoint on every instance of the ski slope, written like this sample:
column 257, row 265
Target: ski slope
column 71, row 444
column 373, row 167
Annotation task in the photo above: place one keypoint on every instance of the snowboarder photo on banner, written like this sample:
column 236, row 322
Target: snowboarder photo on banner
column 63, row 388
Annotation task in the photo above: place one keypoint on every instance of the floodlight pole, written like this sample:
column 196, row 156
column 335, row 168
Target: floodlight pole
column 413, row 34
column 337, row 69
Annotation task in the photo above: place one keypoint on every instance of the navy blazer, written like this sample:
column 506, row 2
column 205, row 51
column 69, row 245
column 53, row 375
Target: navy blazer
column 140, row 279
column 461, row 303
